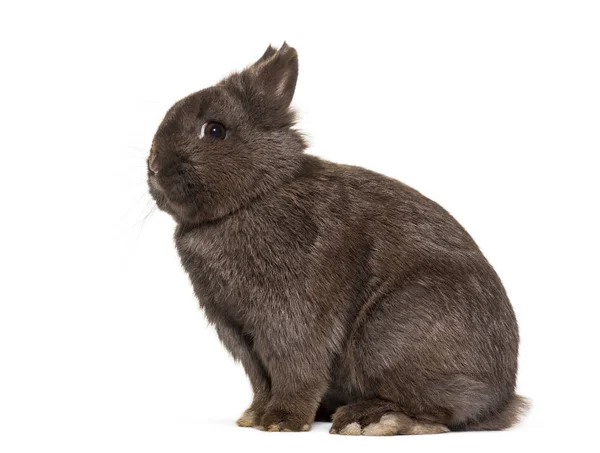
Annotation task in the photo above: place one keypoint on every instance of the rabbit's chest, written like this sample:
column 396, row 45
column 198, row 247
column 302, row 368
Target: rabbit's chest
column 240, row 265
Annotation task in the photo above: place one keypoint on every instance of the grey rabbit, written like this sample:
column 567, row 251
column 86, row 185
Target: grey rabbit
column 345, row 294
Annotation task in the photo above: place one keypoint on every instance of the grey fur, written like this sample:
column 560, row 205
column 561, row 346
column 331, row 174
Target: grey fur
column 343, row 293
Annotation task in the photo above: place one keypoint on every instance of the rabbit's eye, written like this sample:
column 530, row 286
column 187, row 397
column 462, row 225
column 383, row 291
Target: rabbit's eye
column 214, row 130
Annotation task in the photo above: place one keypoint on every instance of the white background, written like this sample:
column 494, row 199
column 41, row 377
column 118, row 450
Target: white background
column 490, row 108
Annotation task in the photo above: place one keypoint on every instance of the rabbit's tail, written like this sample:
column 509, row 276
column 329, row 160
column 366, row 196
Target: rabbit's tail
column 502, row 419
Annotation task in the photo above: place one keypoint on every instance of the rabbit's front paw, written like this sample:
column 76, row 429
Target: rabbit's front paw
column 278, row 420
column 252, row 416
column 249, row 418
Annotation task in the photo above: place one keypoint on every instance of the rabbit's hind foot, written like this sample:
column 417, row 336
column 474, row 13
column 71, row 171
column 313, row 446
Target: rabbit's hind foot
column 379, row 418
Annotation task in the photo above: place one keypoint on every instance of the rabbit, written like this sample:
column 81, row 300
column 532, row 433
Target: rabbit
column 346, row 295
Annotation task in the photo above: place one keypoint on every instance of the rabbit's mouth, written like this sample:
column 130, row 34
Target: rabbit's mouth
column 157, row 192
column 164, row 199
column 172, row 196
column 153, row 183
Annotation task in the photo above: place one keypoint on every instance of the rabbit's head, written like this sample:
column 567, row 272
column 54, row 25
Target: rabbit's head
column 219, row 148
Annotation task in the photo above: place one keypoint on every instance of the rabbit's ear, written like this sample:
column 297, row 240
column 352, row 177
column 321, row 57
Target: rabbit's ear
column 268, row 54
column 274, row 76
